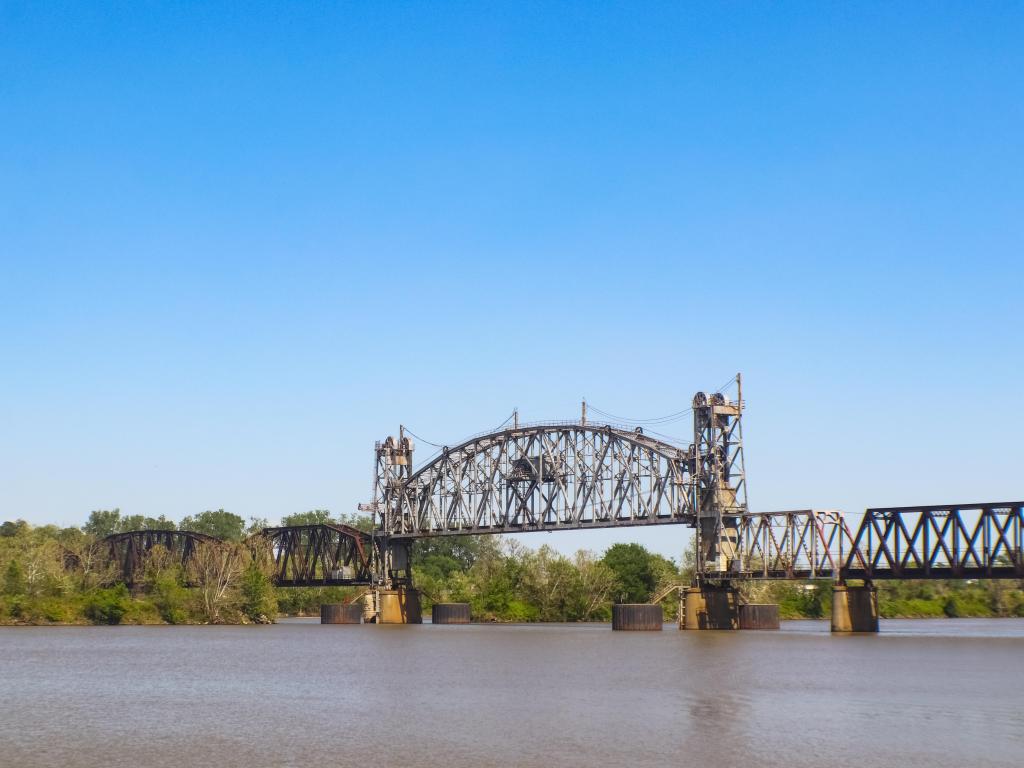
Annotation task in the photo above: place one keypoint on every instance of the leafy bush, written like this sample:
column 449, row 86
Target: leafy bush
column 518, row 610
column 14, row 579
column 258, row 601
column 108, row 606
column 55, row 611
column 171, row 600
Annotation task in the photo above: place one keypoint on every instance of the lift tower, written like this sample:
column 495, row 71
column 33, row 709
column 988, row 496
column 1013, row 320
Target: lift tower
column 393, row 599
column 718, row 481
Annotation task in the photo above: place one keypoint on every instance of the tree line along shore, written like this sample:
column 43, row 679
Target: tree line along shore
column 500, row 578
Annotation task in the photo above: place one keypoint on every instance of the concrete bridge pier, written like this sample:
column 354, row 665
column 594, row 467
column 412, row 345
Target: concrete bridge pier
column 854, row 609
column 400, row 605
column 709, row 607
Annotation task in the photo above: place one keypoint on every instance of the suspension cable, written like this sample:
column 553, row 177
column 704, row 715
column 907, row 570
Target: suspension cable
column 729, row 383
column 668, row 419
column 438, row 445
column 421, row 439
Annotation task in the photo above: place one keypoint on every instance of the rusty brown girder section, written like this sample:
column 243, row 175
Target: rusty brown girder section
column 321, row 555
column 300, row 555
column 130, row 548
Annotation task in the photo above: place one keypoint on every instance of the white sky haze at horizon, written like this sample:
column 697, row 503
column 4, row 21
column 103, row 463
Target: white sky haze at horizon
column 238, row 248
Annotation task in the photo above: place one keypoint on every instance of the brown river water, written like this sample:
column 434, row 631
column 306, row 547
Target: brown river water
column 922, row 693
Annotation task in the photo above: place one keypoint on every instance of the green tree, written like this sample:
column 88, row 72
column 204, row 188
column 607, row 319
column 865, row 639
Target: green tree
column 548, row 579
column 497, row 582
column 14, row 579
column 258, row 600
column 635, row 569
column 217, row 523
column 441, row 556
column 11, row 529
column 312, row 517
column 163, row 582
column 256, row 524
column 362, row 522
column 103, row 522
column 143, row 523
column 215, row 569
column 108, row 606
column 592, row 588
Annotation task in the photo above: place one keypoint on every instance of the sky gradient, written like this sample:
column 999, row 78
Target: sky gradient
column 238, row 247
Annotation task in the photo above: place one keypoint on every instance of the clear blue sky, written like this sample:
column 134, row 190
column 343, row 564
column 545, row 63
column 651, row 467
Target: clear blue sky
column 240, row 243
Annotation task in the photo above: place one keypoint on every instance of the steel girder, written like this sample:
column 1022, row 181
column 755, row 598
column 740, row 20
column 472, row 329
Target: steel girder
column 797, row 544
column 542, row 477
column 128, row 549
column 321, row 555
column 955, row 541
column 963, row 541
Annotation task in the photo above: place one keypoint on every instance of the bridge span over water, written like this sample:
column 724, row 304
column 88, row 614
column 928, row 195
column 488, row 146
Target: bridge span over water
column 958, row 541
column 574, row 475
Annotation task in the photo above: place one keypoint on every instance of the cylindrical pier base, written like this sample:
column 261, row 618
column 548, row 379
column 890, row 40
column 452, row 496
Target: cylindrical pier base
column 450, row 613
column 764, row 616
column 400, row 606
column 693, row 607
column 341, row 613
column 854, row 609
column 637, row 616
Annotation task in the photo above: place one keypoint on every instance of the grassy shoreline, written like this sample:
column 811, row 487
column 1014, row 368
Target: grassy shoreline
column 66, row 576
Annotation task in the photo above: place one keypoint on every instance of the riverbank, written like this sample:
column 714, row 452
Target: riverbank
column 67, row 576
column 142, row 613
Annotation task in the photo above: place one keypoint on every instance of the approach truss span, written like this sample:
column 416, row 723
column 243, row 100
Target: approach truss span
column 542, row 477
column 129, row 550
column 325, row 554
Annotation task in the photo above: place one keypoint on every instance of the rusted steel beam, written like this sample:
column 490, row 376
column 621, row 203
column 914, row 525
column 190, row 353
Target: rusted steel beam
column 321, row 555
column 130, row 548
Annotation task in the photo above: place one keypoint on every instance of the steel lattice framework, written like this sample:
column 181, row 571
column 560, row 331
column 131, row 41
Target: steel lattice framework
column 321, row 555
column 129, row 549
column 799, row 544
column 572, row 475
column 551, row 476
column 960, row 541
column 953, row 541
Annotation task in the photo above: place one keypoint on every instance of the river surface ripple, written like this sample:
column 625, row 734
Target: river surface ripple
column 922, row 693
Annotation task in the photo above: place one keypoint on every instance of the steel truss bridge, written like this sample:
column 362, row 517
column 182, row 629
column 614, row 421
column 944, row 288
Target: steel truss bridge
column 959, row 541
column 297, row 556
column 577, row 475
column 954, row 541
column 128, row 551
column 541, row 477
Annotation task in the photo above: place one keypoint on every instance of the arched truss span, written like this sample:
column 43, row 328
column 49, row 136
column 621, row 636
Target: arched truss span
column 129, row 549
column 321, row 555
column 547, row 477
